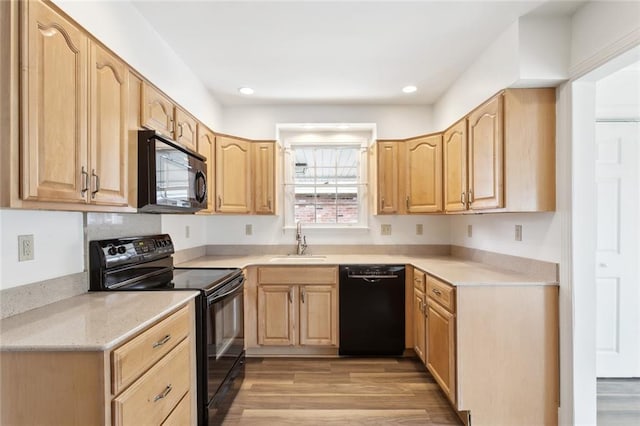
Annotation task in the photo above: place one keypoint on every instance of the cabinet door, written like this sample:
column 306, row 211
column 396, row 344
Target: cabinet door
column 108, row 99
column 233, row 183
column 455, row 167
column 276, row 315
column 424, row 177
column 263, row 179
column 388, row 178
column 54, row 89
column 207, row 147
column 419, row 331
column 157, row 111
column 441, row 348
column 318, row 315
column 486, row 151
column 186, row 129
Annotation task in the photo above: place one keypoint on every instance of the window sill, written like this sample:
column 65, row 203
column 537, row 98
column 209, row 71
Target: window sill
column 316, row 227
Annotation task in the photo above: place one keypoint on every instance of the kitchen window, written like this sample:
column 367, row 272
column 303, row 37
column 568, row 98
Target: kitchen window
column 325, row 184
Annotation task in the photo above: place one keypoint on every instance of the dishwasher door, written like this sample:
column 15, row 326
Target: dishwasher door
column 372, row 310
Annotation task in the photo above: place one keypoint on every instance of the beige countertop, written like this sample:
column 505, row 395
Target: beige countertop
column 88, row 322
column 456, row 271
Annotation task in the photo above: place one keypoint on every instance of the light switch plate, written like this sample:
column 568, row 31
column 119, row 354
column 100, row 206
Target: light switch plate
column 187, row 231
column 248, row 229
column 25, row 248
column 419, row 229
column 518, row 232
column 469, row 231
column 385, row 229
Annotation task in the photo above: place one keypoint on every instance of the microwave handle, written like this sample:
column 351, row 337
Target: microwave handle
column 201, row 195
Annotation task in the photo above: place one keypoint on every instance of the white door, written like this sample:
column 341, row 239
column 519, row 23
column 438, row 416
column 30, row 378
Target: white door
column 617, row 278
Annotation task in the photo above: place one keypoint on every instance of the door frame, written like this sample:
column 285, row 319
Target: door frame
column 576, row 204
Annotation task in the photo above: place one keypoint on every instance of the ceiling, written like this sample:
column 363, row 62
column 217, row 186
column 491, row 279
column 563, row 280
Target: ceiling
column 330, row 52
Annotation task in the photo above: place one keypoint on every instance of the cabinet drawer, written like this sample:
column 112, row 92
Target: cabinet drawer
column 181, row 415
column 133, row 358
column 442, row 293
column 419, row 279
column 150, row 399
column 298, row 275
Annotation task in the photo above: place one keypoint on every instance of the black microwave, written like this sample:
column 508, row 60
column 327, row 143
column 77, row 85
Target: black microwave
column 171, row 178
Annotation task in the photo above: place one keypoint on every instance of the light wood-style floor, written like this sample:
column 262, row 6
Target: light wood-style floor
column 618, row 402
column 279, row 391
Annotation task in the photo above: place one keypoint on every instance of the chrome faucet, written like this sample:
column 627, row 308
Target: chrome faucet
column 301, row 239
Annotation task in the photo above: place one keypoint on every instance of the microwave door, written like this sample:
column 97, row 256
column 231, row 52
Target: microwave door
column 174, row 174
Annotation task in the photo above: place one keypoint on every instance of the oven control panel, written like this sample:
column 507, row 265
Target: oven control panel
column 122, row 251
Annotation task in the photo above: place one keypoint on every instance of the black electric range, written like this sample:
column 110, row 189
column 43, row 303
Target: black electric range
column 146, row 264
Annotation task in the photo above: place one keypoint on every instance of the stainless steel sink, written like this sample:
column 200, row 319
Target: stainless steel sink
column 295, row 258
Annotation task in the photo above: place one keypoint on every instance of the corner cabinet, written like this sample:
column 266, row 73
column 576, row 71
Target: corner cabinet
column 233, row 177
column 74, row 105
column 297, row 307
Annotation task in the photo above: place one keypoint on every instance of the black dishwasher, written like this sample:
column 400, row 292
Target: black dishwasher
column 372, row 310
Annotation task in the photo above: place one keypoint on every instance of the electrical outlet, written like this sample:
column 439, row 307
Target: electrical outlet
column 385, row 229
column 248, row 229
column 518, row 232
column 418, row 229
column 187, row 231
column 469, row 231
column 25, row 248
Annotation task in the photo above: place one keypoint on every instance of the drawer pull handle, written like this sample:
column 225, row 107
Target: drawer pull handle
column 161, row 342
column 163, row 394
column 436, row 291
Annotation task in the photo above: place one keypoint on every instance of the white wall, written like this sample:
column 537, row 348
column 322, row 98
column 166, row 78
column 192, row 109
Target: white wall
column 176, row 225
column 393, row 121
column 269, row 230
column 600, row 28
column 496, row 233
column 545, row 42
column 120, row 26
column 58, row 245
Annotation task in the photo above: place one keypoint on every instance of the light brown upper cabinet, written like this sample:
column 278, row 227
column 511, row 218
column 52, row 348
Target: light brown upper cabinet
column 501, row 157
column 455, row 167
column 264, row 177
column 207, row 148
column 186, row 129
column 68, row 155
column 108, row 98
column 424, row 174
column 159, row 113
column 233, row 177
column 388, row 166
column 55, row 98
column 485, row 155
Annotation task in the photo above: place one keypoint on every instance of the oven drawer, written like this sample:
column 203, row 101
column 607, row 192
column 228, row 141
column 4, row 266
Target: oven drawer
column 151, row 398
column 130, row 360
column 181, row 415
column 442, row 293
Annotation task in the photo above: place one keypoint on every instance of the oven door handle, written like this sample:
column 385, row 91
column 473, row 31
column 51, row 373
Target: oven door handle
column 214, row 298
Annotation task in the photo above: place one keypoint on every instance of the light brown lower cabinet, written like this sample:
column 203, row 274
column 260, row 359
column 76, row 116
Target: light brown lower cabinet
column 493, row 350
column 149, row 379
column 295, row 309
column 419, row 321
column 297, row 315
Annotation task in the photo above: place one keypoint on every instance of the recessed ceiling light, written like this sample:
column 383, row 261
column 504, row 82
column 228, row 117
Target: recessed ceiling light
column 409, row 89
column 246, row 90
